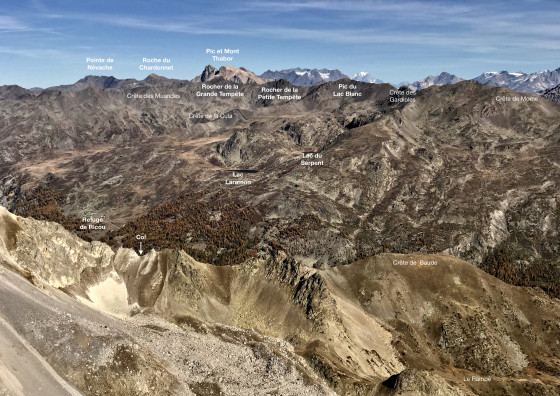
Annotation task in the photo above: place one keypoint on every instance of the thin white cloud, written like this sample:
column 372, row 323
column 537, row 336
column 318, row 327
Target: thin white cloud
column 415, row 9
column 146, row 24
column 8, row 23
column 474, row 28
column 30, row 53
column 472, row 18
column 470, row 43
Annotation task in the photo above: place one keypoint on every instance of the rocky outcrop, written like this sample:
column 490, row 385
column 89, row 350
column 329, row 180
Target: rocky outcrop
column 14, row 92
column 552, row 94
column 418, row 382
column 481, row 345
column 208, row 73
column 229, row 73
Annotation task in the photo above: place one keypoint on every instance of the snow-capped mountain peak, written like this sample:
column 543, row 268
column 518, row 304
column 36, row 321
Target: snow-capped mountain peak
column 443, row 78
column 304, row 77
column 366, row 77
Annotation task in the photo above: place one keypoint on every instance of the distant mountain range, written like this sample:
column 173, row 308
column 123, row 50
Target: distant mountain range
column 522, row 82
column 304, row 77
column 307, row 77
column 498, row 79
column 534, row 83
column 442, row 79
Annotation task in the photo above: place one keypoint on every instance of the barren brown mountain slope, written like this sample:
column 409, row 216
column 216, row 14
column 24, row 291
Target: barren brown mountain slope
column 295, row 218
column 383, row 325
column 459, row 171
column 57, row 345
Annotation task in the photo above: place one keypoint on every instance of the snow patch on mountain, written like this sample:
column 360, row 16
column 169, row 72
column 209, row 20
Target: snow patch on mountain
column 537, row 82
column 366, row 77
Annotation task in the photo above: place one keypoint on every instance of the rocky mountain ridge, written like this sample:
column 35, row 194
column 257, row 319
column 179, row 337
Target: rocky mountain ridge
column 349, row 326
column 534, row 83
column 77, row 331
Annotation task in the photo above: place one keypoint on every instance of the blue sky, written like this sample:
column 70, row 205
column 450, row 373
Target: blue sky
column 45, row 42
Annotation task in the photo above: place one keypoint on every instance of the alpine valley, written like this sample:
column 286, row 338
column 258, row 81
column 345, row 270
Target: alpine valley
column 297, row 232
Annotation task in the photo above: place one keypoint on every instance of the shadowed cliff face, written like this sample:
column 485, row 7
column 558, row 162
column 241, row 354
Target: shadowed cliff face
column 390, row 324
column 552, row 94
